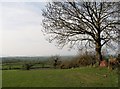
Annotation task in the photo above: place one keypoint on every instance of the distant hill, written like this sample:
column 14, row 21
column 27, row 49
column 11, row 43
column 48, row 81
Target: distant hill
column 35, row 58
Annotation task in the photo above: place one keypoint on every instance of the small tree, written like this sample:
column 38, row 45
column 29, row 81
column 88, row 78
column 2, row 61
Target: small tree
column 56, row 61
column 27, row 66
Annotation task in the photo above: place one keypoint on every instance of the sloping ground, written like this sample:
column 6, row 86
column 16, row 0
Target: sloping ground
column 79, row 77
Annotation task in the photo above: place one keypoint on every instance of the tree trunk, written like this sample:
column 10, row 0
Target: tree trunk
column 98, row 52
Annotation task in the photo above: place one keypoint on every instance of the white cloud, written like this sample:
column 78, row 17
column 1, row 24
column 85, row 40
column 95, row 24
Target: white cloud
column 22, row 32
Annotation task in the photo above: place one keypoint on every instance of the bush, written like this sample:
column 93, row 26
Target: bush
column 65, row 65
column 86, row 59
column 55, row 61
column 80, row 60
column 27, row 66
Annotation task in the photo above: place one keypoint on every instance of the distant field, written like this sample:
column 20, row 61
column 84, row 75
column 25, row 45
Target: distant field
column 79, row 77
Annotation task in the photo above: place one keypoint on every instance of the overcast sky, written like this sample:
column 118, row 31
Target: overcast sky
column 21, row 31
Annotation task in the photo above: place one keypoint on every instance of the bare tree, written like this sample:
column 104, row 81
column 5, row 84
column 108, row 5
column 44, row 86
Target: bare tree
column 92, row 24
column 56, row 61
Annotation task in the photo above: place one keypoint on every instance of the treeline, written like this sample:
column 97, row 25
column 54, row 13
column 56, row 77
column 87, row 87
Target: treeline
column 27, row 63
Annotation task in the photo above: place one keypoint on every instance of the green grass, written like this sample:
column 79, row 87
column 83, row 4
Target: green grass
column 0, row 79
column 19, row 66
column 13, row 66
column 79, row 77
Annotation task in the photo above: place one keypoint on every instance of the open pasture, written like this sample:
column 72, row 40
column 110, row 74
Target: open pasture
column 78, row 77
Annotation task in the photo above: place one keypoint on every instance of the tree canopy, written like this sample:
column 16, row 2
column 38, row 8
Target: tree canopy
column 92, row 24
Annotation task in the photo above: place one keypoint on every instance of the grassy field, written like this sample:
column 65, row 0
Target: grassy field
column 79, row 77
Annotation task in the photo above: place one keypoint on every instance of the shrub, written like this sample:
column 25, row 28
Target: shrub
column 27, row 66
column 78, row 61
column 85, row 59
column 65, row 64
column 55, row 61
column 114, row 63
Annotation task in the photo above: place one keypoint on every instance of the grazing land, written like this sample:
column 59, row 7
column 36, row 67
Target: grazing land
column 77, row 77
